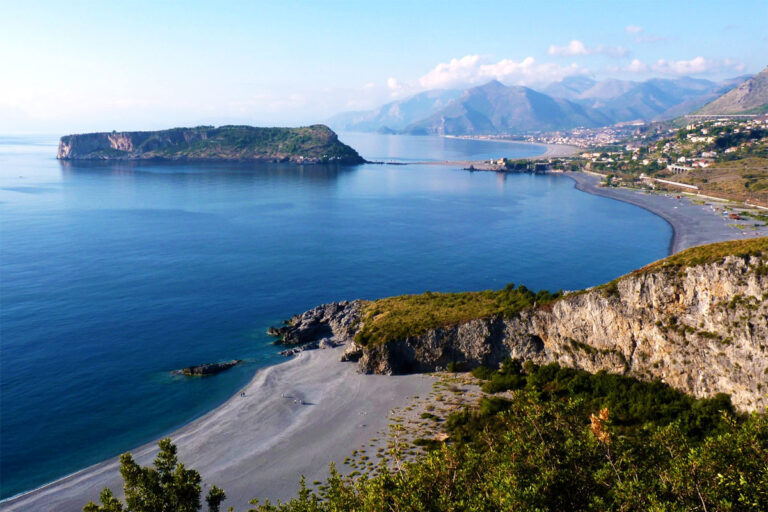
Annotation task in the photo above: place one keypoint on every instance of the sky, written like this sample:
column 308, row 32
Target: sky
column 80, row 66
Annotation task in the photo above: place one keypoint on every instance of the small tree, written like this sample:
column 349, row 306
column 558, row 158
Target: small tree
column 166, row 487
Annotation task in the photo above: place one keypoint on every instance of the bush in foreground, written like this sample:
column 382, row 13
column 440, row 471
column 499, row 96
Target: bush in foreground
column 558, row 440
column 166, row 487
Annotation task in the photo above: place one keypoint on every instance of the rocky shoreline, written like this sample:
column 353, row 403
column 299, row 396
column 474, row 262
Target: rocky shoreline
column 702, row 330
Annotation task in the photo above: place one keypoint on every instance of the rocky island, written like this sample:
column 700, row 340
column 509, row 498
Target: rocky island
column 316, row 144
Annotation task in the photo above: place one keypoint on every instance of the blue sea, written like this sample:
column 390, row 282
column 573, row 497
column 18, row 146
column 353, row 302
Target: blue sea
column 112, row 275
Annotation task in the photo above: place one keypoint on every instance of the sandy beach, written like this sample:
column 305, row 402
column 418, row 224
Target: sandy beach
column 556, row 150
column 259, row 445
column 693, row 224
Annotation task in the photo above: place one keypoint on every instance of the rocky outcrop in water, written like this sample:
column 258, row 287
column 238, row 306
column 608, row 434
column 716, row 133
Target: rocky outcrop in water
column 337, row 320
column 207, row 369
column 701, row 329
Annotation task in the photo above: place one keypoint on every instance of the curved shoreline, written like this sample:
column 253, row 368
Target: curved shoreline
column 584, row 184
column 260, row 445
column 692, row 224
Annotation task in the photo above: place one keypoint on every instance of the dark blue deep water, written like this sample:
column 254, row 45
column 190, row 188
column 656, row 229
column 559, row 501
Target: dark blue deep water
column 112, row 275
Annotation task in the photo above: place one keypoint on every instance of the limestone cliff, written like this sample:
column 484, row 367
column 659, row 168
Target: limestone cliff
column 701, row 328
column 307, row 145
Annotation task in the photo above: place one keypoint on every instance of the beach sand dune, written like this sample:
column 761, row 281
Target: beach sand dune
column 259, row 445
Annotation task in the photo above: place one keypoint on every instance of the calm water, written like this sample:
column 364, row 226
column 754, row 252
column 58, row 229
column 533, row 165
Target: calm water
column 112, row 275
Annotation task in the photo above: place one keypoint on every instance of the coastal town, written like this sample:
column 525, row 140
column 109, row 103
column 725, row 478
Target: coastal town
column 724, row 158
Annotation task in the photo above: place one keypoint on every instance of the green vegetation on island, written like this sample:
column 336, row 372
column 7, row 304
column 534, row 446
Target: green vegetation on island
column 310, row 144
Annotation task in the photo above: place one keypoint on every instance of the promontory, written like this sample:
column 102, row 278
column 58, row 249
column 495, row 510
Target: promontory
column 316, row 144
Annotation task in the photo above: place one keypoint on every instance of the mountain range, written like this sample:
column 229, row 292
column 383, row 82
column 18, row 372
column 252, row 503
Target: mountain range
column 750, row 96
column 579, row 101
column 395, row 116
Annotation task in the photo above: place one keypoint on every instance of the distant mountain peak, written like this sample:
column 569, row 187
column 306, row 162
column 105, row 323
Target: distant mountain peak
column 495, row 83
column 492, row 85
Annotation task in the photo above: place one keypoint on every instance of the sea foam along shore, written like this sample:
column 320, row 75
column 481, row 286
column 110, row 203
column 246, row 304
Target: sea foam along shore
column 693, row 224
column 260, row 444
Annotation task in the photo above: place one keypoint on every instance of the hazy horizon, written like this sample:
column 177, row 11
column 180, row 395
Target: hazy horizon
column 141, row 65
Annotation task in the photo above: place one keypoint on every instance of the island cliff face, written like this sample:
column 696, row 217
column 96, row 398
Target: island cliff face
column 702, row 329
column 308, row 145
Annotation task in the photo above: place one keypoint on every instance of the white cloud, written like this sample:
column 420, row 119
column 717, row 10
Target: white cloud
column 695, row 66
column 576, row 48
column 682, row 67
column 637, row 66
column 448, row 74
column 633, row 29
column 473, row 69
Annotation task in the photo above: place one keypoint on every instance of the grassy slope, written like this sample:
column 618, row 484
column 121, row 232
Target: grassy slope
column 244, row 141
column 397, row 318
column 742, row 179
column 711, row 253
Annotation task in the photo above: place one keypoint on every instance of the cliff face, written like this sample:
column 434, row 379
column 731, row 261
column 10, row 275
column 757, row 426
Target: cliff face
column 701, row 329
column 307, row 145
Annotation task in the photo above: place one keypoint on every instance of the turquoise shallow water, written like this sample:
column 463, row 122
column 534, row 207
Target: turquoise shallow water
column 112, row 275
